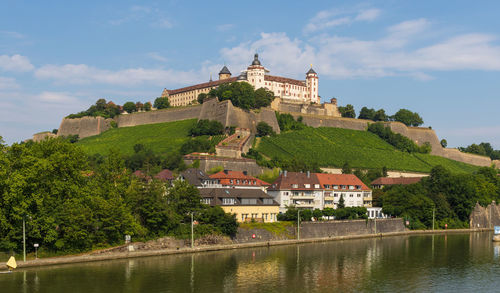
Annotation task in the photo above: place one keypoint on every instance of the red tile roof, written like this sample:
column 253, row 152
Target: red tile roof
column 165, row 175
column 341, row 179
column 201, row 86
column 395, row 181
column 227, row 175
column 284, row 80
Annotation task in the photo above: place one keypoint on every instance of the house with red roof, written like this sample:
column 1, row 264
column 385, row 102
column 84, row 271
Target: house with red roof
column 386, row 181
column 238, row 179
column 347, row 186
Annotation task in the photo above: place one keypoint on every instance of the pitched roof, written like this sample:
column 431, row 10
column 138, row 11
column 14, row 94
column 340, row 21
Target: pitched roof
column 284, row 80
column 341, row 179
column 287, row 179
column 225, row 70
column 311, row 71
column 238, row 193
column 396, row 181
column 165, row 175
column 194, row 176
column 229, row 174
column 201, row 85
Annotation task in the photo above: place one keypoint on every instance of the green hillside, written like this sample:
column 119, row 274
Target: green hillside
column 329, row 147
column 332, row 147
column 161, row 138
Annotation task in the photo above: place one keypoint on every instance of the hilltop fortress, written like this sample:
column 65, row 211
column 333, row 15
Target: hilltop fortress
column 296, row 97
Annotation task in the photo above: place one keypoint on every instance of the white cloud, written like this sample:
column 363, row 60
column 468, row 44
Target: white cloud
column 156, row 56
column 8, row 83
column 57, row 97
column 399, row 53
column 15, row 63
column 138, row 13
column 84, row 74
column 335, row 17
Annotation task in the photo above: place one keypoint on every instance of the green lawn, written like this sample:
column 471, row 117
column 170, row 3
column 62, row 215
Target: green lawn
column 161, row 138
column 332, row 147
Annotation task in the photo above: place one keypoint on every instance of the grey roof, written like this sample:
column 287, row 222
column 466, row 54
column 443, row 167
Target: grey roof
column 311, row 71
column 238, row 193
column 242, row 76
column 194, row 176
column 256, row 59
column 224, row 70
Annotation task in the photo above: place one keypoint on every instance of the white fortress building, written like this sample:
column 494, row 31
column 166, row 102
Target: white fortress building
column 288, row 89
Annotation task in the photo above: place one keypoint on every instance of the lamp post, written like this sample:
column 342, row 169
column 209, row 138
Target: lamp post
column 298, row 224
column 36, row 250
column 24, row 239
column 192, row 231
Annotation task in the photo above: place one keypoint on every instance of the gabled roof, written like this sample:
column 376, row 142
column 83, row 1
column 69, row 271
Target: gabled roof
column 396, row 181
column 341, row 179
column 287, row 179
column 141, row 175
column 202, row 85
column 194, row 176
column 311, row 71
column 165, row 175
column 237, row 175
column 284, row 80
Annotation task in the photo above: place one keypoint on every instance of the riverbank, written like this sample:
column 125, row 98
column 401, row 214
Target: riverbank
column 91, row 257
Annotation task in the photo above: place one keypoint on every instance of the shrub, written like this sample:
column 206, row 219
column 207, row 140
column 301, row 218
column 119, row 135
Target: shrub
column 264, row 129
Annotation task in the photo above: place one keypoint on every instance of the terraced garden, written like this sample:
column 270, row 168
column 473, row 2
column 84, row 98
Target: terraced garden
column 332, row 147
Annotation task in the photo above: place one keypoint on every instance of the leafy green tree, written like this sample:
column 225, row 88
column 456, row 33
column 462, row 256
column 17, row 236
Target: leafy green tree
column 129, row 107
column 147, row 106
column 444, row 143
column 198, row 144
column 184, row 199
column 408, row 118
column 220, row 220
column 264, row 129
column 161, row 103
column 380, row 116
column 201, row 98
column 347, row 111
column 207, row 127
column 286, row 122
column 366, row 113
column 317, row 214
column 263, row 98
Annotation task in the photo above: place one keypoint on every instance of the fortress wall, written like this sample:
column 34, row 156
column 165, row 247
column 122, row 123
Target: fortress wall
column 267, row 115
column 326, row 121
column 84, row 127
column 472, row 159
column 496, row 163
column 42, row 135
column 158, row 116
column 229, row 164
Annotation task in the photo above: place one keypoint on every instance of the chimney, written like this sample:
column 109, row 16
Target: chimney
column 308, row 174
column 284, row 173
column 226, row 171
column 245, row 173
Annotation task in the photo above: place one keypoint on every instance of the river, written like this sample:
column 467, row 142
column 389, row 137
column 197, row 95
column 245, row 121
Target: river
column 416, row 263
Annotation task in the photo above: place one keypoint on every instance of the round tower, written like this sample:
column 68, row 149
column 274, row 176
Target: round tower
column 255, row 73
column 312, row 86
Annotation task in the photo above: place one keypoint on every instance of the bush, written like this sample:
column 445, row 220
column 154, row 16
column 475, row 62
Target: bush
column 161, row 103
column 264, row 129
column 195, row 145
column 287, row 122
column 129, row 107
column 207, row 127
column 397, row 140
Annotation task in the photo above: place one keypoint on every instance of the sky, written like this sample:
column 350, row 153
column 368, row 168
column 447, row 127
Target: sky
column 438, row 58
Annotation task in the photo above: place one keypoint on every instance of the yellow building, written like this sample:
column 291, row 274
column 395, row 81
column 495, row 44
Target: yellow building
column 247, row 204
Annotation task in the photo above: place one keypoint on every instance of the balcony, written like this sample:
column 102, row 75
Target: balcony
column 303, row 204
column 302, row 195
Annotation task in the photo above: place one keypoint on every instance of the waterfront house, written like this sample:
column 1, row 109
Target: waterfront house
column 238, row 179
column 347, row 186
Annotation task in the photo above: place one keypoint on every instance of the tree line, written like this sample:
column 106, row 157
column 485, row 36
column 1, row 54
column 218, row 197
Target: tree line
column 404, row 116
column 71, row 203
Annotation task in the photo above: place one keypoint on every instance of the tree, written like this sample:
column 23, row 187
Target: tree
column 55, row 130
column 380, row 115
column 161, row 103
column 408, row 118
column 184, row 199
column 264, row 129
column 201, row 98
column 366, row 113
column 347, row 111
column 341, row 203
column 263, row 98
column 287, row 122
column 220, row 220
column 207, row 127
column 444, row 143
column 129, row 107
column 147, row 106
column 346, row 168
column 317, row 214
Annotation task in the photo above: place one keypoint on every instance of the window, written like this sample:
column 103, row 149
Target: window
column 207, row 200
column 295, row 186
column 269, row 201
column 307, row 185
column 335, row 195
column 327, row 186
column 248, row 201
column 231, row 181
column 228, row 200
column 238, row 181
column 351, row 195
column 359, row 194
column 316, row 185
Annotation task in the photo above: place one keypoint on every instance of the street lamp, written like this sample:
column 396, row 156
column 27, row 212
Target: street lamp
column 298, row 224
column 36, row 250
column 192, row 231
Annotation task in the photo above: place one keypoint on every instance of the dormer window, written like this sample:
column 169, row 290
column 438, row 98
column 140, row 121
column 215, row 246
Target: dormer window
column 316, row 185
column 307, row 185
column 295, row 186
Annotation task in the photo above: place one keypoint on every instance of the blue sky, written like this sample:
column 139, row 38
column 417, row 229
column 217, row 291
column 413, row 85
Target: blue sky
column 439, row 58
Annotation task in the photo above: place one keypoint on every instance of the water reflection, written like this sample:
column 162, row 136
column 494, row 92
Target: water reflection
column 455, row 262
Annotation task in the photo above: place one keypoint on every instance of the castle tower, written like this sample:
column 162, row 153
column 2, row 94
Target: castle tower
column 255, row 73
column 312, row 86
column 224, row 73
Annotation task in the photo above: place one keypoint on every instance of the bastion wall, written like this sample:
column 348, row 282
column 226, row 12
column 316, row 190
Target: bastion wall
column 84, row 127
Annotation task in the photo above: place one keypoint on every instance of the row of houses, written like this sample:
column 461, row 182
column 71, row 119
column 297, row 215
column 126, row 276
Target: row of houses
column 251, row 198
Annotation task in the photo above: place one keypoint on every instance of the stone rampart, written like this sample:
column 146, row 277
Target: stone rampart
column 84, row 127
column 159, row 116
column 243, row 164
column 485, row 217
column 42, row 135
column 324, row 229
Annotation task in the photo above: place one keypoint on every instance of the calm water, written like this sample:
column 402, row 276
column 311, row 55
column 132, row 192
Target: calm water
column 440, row 263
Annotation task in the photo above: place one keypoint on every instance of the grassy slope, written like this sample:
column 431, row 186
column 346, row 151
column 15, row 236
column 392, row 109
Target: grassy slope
column 161, row 138
column 335, row 146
